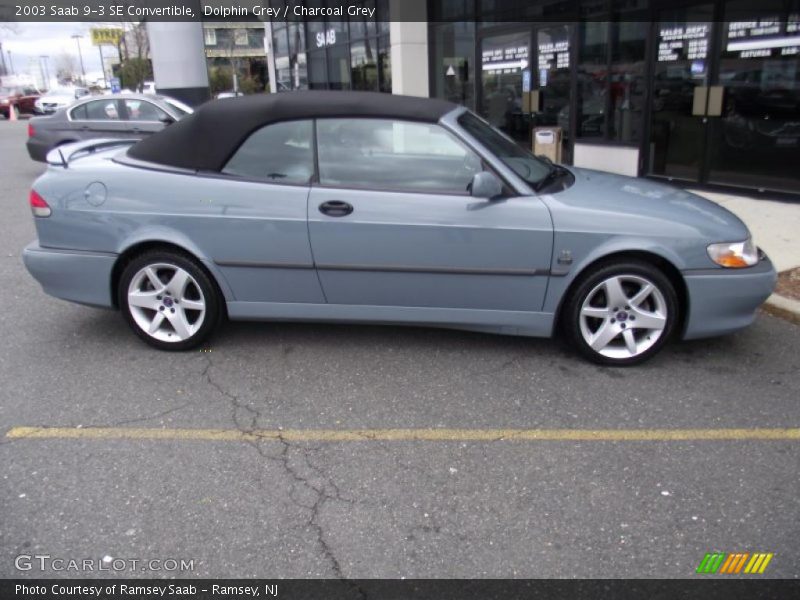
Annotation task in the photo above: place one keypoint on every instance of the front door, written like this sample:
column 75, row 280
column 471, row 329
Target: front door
column 391, row 223
column 681, row 76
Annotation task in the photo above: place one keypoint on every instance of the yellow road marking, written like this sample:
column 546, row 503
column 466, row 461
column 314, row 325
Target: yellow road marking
column 405, row 435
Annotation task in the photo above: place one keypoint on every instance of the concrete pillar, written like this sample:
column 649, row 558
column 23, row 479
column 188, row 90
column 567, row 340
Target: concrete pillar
column 409, row 41
column 179, row 60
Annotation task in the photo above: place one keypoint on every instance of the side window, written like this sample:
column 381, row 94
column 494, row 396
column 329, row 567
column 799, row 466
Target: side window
column 141, row 110
column 280, row 153
column 78, row 113
column 393, row 155
column 101, row 110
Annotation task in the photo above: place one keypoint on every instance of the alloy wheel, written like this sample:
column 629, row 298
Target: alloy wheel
column 623, row 316
column 166, row 302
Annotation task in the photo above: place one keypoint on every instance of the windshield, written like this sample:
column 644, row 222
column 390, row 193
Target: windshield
column 60, row 92
column 516, row 158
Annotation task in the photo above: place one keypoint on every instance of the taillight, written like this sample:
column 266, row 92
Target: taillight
column 31, row 130
column 39, row 207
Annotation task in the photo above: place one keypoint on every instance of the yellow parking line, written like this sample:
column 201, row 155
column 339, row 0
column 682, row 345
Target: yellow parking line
column 405, row 435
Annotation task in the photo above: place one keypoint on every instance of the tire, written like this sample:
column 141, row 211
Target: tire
column 168, row 300
column 633, row 326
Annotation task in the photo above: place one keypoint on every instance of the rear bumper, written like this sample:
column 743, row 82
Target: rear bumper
column 74, row 275
column 722, row 301
column 37, row 149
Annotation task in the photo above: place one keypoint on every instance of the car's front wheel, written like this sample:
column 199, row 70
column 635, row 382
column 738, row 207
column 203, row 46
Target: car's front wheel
column 621, row 314
column 168, row 300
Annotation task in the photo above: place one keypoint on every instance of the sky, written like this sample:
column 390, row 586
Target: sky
column 32, row 40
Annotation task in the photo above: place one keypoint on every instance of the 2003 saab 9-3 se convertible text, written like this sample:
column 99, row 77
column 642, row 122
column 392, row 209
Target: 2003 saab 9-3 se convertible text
column 361, row 207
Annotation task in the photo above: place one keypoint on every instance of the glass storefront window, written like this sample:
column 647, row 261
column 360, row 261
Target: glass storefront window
column 626, row 88
column 756, row 140
column 317, row 70
column 385, row 65
column 592, row 80
column 503, row 60
column 364, row 65
column 611, row 80
column 337, row 55
column 454, row 75
column 338, row 68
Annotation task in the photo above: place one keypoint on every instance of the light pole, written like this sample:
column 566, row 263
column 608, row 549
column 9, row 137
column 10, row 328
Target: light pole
column 10, row 62
column 46, row 58
column 77, row 37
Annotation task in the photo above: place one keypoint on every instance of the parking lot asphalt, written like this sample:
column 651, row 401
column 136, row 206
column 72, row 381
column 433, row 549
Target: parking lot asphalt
column 449, row 505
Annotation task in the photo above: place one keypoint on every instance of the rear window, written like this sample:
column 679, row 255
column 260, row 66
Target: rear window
column 279, row 153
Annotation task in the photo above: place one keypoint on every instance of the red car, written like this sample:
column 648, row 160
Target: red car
column 19, row 99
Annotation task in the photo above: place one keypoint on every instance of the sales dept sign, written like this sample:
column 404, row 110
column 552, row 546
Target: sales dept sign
column 106, row 35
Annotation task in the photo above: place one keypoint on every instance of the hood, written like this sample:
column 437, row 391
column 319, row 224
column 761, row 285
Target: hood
column 644, row 207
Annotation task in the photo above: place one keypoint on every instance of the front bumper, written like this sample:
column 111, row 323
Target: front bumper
column 722, row 301
column 74, row 275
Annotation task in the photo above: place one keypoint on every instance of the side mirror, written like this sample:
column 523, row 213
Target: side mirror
column 485, row 185
column 167, row 120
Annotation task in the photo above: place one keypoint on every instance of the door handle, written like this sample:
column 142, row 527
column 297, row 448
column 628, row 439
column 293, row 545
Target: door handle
column 335, row 208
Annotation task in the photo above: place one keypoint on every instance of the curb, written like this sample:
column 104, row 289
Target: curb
column 783, row 307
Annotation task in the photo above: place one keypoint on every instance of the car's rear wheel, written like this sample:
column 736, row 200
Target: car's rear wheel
column 621, row 314
column 168, row 300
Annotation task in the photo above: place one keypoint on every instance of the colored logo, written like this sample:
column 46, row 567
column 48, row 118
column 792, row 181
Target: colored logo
column 734, row 563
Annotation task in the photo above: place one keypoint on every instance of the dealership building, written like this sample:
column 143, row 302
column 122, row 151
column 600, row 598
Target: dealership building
column 697, row 92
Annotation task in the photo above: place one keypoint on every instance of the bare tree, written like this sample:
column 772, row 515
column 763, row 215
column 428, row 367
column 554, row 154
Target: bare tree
column 66, row 67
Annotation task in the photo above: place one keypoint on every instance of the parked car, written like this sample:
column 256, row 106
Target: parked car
column 375, row 208
column 57, row 98
column 126, row 116
column 19, row 99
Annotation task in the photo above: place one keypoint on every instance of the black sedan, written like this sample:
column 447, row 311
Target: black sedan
column 125, row 116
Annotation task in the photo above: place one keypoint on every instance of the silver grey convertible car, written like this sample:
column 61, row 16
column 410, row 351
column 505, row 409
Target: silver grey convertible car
column 372, row 208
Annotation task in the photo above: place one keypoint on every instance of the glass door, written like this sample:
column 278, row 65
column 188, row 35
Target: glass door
column 679, row 92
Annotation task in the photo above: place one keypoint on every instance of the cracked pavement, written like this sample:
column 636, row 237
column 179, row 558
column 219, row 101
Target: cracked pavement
column 279, row 508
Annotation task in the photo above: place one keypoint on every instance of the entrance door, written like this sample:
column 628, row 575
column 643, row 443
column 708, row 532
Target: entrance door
column 679, row 93
column 526, row 82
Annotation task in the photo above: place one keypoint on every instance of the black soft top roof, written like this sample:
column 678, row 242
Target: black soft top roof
column 206, row 139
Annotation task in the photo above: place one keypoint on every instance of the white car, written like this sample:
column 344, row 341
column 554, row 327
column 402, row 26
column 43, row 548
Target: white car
column 57, row 98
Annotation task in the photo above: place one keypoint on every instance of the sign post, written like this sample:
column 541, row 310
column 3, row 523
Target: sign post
column 102, row 36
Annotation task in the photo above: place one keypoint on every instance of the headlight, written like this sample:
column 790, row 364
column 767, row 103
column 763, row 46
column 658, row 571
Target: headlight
column 734, row 255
